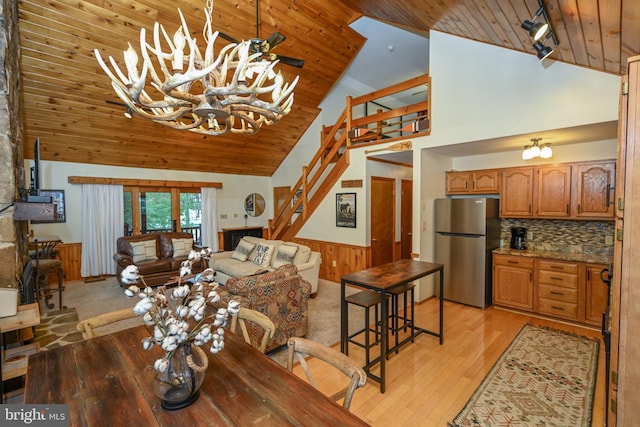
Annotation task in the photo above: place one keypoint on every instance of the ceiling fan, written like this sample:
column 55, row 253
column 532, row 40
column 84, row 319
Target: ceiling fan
column 260, row 45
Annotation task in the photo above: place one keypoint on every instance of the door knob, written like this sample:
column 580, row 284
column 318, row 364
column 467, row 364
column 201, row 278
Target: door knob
column 374, row 240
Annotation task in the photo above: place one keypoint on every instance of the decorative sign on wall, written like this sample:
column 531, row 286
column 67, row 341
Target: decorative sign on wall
column 346, row 210
column 352, row 183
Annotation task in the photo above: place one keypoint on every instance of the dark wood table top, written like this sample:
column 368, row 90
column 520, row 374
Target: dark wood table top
column 108, row 381
column 392, row 274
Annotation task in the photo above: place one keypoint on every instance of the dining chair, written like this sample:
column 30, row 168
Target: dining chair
column 45, row 262
column 301, row 347
column 250, row 319
column 87, row 327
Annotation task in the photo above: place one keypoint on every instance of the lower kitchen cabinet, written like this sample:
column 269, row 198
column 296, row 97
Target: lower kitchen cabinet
column 565, row 290
column 557, row 287
column 513, row 281
column 596, row 295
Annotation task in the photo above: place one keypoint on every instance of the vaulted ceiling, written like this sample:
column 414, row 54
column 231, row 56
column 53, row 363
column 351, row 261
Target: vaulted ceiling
column 65, row 92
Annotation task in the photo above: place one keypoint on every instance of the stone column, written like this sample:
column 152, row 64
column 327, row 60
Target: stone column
column 13, row 234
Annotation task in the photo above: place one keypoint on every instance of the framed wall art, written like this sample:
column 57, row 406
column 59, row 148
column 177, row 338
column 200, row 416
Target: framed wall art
column 57, row 197
column 346, row 210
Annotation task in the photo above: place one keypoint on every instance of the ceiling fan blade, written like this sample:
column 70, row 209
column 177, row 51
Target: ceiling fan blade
column 294, row 62
column 275, row 39
column 228, row 37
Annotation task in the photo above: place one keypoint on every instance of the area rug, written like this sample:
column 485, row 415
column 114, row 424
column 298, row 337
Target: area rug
column 57, row 328
column 546, row 377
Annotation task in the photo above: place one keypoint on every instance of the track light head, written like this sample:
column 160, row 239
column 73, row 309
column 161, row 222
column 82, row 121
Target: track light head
column 542, row 50
column 536, row 29
column 127, row 113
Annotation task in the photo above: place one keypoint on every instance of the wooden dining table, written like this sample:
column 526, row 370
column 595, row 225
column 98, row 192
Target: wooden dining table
column 108, row 381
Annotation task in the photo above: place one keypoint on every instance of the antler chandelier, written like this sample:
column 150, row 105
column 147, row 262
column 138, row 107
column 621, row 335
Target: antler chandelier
column 233, row 92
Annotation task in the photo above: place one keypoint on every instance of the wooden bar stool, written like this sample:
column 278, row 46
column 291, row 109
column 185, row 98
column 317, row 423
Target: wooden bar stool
column 44, row 264
column 405, row 318
column 365, row 299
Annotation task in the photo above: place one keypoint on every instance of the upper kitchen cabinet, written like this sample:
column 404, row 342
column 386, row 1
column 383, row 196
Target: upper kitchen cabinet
column 516, row 193
column 569, row 191
column 553, row 191
column 592, row 183
column 473, row 182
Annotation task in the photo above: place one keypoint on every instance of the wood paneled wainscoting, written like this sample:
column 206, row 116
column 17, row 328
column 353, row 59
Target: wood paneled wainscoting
column 71, row 256
column 338, row 259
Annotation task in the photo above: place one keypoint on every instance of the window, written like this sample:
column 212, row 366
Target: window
column 152, row 209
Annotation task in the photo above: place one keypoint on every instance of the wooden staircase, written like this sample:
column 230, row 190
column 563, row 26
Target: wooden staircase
column 354, row 127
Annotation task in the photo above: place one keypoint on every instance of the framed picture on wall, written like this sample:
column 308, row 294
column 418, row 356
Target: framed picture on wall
column 57, row 197
column 346, row 210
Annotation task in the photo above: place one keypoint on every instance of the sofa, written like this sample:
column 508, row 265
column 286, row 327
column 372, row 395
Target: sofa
column 281, row 295
column 158, row 256
column 255, row 255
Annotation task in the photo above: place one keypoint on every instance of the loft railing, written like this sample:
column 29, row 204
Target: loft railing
column 394, row 113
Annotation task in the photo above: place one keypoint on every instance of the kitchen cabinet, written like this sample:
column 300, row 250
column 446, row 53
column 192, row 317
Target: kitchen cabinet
column 513, row 281
column 568, row 191
column 516, row 193
column 553, row 191
column 596, row 294
column 592, row 184
column 557, row 287
column 473, row 182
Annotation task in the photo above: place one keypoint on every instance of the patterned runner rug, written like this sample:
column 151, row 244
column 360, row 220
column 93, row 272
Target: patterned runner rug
column 545, row 377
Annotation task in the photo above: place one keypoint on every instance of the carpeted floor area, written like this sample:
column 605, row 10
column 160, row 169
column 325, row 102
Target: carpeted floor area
column 91, row 299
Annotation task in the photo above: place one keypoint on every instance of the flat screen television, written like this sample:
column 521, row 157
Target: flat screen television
column 34, row 188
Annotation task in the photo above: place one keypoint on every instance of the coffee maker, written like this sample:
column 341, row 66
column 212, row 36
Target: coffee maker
column 518, row 235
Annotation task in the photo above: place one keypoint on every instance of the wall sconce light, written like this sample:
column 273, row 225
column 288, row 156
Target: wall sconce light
column 534, row 150
column 537, row 31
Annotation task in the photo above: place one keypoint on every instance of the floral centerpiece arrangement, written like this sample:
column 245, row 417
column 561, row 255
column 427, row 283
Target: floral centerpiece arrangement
column 180, row 325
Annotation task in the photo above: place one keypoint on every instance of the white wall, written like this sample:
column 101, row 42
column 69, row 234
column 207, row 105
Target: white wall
column 231, row 196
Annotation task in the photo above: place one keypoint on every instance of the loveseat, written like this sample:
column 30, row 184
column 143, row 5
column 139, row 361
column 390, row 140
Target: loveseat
column 157, row 255
column 281, row 295
column 255, row 255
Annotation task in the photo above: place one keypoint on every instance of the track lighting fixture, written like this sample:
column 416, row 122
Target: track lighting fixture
column 537, row 31
column 128, row 114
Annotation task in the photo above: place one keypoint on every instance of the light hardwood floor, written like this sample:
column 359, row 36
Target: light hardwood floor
column 428, row 384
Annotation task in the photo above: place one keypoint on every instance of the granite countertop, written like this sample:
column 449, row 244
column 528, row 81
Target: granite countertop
column 562, row 256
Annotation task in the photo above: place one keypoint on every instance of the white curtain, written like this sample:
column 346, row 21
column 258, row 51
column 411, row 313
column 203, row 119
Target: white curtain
column 209, row 218
column 102, row 224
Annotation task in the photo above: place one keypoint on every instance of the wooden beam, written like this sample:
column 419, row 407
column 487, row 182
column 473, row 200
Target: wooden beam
column 142, row 182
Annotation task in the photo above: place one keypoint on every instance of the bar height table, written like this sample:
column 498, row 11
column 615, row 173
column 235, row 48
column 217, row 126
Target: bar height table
column 384, row 278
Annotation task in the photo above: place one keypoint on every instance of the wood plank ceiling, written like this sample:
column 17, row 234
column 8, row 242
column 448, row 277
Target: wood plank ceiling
column 65, row 91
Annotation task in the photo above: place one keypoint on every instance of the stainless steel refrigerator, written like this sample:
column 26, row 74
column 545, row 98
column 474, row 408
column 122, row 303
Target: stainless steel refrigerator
column 467, row 230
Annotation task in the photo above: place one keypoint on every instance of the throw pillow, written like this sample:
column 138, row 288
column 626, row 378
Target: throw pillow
column 182, row 247
column 242, row 251
column 263, row 255
column 286, row 254
column 144, row 250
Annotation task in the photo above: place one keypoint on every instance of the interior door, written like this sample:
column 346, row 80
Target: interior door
column 382, row 220
column 279, row 196
column 406, row 218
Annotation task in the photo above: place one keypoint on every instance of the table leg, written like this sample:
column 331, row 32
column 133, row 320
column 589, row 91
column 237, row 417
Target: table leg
column 343, row 320
column 383, row 338
column 441, row 305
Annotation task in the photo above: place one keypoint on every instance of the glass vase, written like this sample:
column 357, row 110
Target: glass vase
column 178, row 386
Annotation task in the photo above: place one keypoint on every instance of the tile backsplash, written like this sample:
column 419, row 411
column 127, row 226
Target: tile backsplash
column 577, row 237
